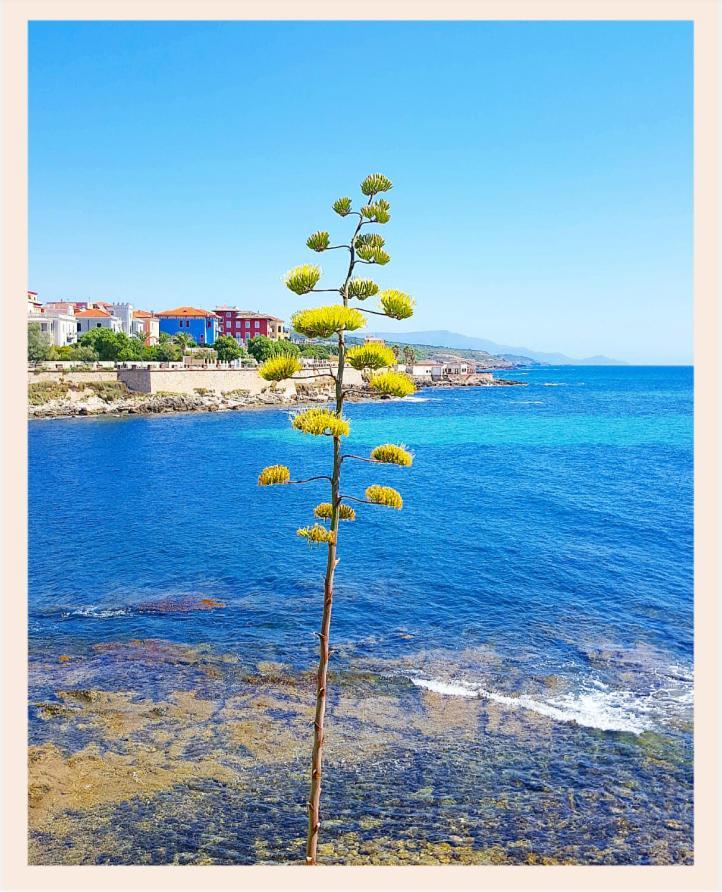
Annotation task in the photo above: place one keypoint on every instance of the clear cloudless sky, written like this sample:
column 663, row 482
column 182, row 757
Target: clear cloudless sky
column 542, row 171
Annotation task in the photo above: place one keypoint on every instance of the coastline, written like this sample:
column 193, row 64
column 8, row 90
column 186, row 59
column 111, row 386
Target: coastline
column 194, row 748
column 86, row 402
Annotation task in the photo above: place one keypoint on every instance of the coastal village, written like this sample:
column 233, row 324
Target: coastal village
column 201, row 375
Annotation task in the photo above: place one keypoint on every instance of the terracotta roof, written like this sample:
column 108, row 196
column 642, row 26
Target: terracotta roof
column 142, row 314
column 184, row 312
column 92, row 314
column 102, row 303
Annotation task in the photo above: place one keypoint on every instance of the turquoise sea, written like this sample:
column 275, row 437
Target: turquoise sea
column 513, row 650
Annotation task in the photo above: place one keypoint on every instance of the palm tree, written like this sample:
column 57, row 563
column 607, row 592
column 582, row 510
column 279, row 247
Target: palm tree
column 184, row 340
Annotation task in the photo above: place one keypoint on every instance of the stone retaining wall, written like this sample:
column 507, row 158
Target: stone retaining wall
column 218, row 380
column 72, row 377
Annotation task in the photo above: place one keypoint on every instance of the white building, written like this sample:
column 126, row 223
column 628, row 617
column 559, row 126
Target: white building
column 63, row 306
column 124, row 312
column 431, row 371
column 60, row 328
column 458, row 366
column 34, row 305
column 87, row 320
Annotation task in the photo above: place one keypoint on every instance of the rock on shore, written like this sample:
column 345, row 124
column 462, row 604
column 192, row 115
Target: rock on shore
column 469, row 381
column 86, row 402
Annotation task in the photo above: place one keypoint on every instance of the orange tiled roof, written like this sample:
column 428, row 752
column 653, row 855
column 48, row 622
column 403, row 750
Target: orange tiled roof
column 142, row 314
column 185, row 312
column 92, row 314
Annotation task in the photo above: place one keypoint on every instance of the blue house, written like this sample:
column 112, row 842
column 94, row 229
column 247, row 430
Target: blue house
column 201, row 325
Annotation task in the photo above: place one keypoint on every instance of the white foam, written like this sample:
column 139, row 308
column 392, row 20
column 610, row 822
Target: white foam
column 98, row 612
column 442, row 687
column 605, row 710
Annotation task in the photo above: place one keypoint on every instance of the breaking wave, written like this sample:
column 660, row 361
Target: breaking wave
column 93, row 612
column 597, row 707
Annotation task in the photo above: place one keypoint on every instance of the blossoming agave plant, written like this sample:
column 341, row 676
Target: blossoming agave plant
column 376, row 362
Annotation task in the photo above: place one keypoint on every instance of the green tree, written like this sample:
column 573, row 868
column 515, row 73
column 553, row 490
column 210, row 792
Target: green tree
column 373, row 360
column 227, row 348
column 316, row 351
column 409, row 355
column 285, row 348
column 166, row 350
column 108, row 344
column 131, row 349
column 74, row 353
column 39, row 347
column 113, row 346
column 79, row 353
column 262, row 348
column 184, row 341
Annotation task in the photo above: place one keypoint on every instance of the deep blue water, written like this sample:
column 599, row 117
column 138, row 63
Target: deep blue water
column 549, row 525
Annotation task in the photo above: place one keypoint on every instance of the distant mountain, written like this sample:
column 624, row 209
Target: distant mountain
column 453, row 340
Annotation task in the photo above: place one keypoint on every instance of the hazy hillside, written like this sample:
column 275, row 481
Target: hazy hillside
column 455, row 341
column 432, row 351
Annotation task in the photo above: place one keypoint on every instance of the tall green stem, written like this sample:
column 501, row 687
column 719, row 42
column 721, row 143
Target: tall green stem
column 314, row 801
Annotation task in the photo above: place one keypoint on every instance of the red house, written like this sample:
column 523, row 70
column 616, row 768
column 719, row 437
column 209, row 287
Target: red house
column 246, row 324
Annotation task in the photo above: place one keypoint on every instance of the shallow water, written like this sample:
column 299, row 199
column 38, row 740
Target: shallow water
column 536, row 590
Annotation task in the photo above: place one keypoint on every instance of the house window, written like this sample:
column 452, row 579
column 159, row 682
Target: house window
column 78, row 326
column 98, row 324
column 248, row 323
column 256, row 324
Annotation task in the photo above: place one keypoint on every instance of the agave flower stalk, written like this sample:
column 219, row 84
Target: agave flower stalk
column 374, row 361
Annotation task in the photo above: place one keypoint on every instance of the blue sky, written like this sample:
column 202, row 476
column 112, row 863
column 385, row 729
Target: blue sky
column 542, row 171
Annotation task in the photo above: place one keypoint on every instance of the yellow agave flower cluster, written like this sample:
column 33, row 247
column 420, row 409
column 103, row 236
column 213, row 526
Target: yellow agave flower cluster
column 321, row 422
column 326, row 321
column 302, row 279
column 377, row 211
column 316, row 534
column 362, row 288
column 369, row 240
column 325, row 509
column 397, row 304
column 277, row 368
column 342, row 206
column 318, row 241
column 392, row 384
column 373, row 255
column 370, row 356
column 322, row 322
column 273, row 475
column 375, row 182
column 390, row 454
column 384, row 495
